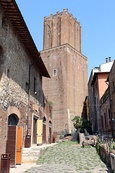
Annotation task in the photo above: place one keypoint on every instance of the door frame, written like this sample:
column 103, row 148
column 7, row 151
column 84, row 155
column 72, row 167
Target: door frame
column 37, row 117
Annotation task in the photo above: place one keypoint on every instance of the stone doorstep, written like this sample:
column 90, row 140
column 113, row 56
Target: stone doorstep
column 29, row 160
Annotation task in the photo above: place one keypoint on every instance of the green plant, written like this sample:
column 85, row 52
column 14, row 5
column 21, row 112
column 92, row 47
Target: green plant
column 112, row 146
column 77, row 122
column 82, row 125
column 98, row 148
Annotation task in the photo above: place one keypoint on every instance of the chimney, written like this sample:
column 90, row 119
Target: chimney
column 109, row 59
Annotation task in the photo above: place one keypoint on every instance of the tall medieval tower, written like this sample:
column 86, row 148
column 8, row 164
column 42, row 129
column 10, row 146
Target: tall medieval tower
column 67, row 87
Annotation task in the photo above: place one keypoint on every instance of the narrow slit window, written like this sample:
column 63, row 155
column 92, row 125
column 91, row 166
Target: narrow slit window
column 54, row 72
column 113, row 86
column 8, row 73
column 27, row 87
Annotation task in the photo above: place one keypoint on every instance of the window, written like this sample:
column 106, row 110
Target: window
column 8, row 73
column 27, row 86
column 1, row 55
column 54, row 72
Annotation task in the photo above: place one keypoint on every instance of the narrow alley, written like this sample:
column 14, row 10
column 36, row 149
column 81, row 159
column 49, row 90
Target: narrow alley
column 68, row 157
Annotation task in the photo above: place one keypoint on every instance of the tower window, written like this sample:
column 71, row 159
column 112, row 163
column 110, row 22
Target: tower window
column 54, row 72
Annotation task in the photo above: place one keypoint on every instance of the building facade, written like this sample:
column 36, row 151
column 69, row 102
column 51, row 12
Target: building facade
column 111, row 81
column 22, row 103
column 105, row 113
column 67, row 66
column 96, row 89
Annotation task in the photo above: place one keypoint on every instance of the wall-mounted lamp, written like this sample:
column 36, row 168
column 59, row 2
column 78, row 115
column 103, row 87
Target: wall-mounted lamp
column 35, row 93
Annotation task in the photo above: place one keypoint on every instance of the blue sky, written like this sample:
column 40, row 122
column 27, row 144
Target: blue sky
column 96, row 17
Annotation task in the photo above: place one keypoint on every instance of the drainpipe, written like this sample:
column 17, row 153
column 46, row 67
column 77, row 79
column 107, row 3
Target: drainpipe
column 28, row 114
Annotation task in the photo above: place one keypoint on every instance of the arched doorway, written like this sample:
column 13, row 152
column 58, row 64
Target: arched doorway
column 14, row 140
column 13, row 120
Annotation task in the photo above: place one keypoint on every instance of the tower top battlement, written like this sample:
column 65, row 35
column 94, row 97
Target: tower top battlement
column 62, row 28
column 64, row 12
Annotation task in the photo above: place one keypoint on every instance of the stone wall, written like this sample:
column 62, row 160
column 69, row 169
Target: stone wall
column 14, row 76
column 104, row 153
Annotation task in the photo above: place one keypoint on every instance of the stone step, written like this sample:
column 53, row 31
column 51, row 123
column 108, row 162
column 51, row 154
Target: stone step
column 30, row 155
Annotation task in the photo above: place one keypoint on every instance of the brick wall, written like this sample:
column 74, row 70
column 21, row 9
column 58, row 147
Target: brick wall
column 67, row 88
column 62, row 28
column 67, row 67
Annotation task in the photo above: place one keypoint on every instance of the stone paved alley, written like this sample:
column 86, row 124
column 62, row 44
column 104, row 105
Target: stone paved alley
column 68, row 157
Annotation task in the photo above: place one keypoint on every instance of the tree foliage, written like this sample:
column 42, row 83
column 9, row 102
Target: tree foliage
column 81, row 124
column 77, row 122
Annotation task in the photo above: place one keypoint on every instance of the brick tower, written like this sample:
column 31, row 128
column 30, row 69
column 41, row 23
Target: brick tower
column 67, row 87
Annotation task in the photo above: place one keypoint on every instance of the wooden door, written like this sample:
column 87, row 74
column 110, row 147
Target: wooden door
column 19, row 145
column 34, row 130
column 44, row 133
column 39, row 131
column 11, row 144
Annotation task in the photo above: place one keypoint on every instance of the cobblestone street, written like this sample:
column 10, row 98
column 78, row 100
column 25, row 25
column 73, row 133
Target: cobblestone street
column 69, row 157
